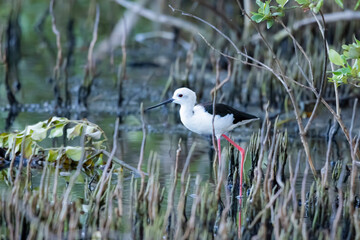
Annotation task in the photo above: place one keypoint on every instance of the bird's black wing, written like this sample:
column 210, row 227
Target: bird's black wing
column 223, row 110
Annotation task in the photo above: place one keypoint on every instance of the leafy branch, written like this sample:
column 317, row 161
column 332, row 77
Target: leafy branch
column 349, row 62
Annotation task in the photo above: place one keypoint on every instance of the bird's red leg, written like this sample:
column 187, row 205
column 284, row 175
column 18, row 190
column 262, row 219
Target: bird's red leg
column 242, row 151
column 219, row 149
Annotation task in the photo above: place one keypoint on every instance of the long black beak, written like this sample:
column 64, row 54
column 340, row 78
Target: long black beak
column 160, row 104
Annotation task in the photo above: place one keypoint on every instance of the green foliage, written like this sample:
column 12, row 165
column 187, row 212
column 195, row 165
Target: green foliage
column 28, row 141
column 313, row 5
column 349, row 63
column 268, row 13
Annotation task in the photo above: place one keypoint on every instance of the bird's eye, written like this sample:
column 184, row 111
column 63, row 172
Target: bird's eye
column 180, row 95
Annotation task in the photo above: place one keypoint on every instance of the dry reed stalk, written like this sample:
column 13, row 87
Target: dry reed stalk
column 274, row 162
column 170, row 212
column 265, row 131
column 223, row 230
column 353, row 175
column 302, row 224
column 266, row 185
column 109, row 161
column 55, row 185
column 183, row 195
column 108, row 212
column 142, row 150
column 118, row 193
column 12, row 162
column 191, row 224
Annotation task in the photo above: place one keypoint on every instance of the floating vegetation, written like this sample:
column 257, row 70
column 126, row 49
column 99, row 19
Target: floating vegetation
column 28, row 142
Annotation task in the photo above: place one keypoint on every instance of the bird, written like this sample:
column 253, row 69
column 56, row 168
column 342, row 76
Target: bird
column 198, row 118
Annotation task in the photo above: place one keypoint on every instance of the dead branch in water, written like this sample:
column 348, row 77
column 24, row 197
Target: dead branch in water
column 89, row 75
column 59, row 57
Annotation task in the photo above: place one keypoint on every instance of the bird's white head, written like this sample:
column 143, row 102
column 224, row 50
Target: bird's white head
column 184, row 96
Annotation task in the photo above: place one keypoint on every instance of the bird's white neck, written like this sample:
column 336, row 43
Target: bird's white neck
column 186, row 111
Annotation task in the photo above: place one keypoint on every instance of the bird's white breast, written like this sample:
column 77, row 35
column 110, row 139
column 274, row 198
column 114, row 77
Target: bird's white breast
column 200, row 121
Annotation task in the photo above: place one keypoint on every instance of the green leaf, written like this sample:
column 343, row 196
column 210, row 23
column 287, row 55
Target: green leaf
column 316, row 9
column 57, row 120
column 28, row 148
column 100, row 160
column 354, row 72
column 4, row 140
column 93, row 132
column 52, row 155
column 260, row 3
column 279, row 13
column 257, row 17
column 269, row 23
column 282, row 2
column 357, row 5
column 39, row 134
column 58, row 131
column 357, row 41
column 98, row 144
column 335, row 58
column 340, row 3
column 73, row 153
column 267, row 8
column 18, row 141
column 302, row 2
column 37, row 131
column 353, row 51
column 74, row 131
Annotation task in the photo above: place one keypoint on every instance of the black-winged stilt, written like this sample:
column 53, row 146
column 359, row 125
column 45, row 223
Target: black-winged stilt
column 199, row 119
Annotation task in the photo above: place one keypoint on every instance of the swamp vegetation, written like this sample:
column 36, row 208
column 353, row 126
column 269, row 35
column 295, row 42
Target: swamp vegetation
column 79, row 159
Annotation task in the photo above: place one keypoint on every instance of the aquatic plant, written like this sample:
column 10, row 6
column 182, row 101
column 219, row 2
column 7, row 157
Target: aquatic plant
column 28, row 142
